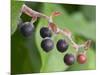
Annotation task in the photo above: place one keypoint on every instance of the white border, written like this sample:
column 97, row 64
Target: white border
column 82, row 2
column 4, row 37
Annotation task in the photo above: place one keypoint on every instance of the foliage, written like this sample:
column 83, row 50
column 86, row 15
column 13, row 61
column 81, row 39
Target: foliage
column 26, row 53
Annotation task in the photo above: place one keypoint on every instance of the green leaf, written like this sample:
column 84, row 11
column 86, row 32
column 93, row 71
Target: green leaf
column 25, row 57
column 89, row 65
column 89, row 11
column 83, row 27
column 15, row 10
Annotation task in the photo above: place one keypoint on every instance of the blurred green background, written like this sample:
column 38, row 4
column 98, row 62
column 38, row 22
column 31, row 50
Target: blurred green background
column 26, row 54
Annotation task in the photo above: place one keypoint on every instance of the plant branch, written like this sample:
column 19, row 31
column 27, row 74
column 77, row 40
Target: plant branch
column 53, row 27
column 25, row 9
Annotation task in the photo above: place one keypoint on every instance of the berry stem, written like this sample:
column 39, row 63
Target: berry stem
column 25, row 9
column 34, row 14
column 33, row 19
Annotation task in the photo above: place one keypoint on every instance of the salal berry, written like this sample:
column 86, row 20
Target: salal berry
column 45, row 32
column 81, row 58
column 27, row 29
column 69, row 59
column 62, row 45
column 47, row 45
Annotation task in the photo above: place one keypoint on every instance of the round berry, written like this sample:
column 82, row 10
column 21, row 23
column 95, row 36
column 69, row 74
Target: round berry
column 45, row 32
column 81, row 58
column 26, row 29
column 47, row 45
column 62, row 45
column 69, row 59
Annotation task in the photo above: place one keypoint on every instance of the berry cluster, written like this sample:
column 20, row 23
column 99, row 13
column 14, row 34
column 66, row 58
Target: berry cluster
column 47, row 43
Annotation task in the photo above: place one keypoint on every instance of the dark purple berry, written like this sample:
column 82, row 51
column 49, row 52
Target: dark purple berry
column 62, row 45
column 45, row 32
column 27, row 29
column 69, row 59
column 47, row 45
